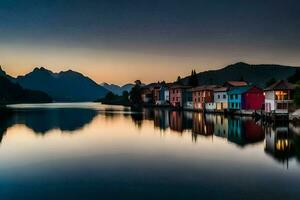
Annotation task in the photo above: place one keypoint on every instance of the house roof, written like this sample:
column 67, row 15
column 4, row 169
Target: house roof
column 175, row 86
column 236, row 83
column 204, row 87
column 281, row 85
column 221, row 89
column 239, row 90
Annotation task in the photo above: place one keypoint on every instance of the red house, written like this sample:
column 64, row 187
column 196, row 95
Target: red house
column 245, row 98
column 253, row 99
column 177, row 95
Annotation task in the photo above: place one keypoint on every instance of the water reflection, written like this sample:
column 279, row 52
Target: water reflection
column 135, row 152
column 42, row 121
column 282, row 142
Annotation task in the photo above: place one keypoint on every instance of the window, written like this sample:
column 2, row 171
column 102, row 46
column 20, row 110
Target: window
column 282, row 106
column 218, row 96
column 236, row 96
column 281, row 95
column 224, row 96
column 231, row 96
column 236, row 105
column 232, row 105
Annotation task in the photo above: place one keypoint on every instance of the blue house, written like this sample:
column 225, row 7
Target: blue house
column 235, row 97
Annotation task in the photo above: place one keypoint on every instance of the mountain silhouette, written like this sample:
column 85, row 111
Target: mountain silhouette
column 11, row 92
column 257, row 74
column 116, row 89
column 65, row 86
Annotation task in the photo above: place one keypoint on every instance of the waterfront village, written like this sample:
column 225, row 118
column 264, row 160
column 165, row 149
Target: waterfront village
column 235, row 97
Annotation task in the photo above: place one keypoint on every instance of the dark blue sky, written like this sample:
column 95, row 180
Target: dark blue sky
column 181, row 34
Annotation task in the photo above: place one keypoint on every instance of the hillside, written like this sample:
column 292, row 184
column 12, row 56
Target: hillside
column 257, row 74
column 66, row 86
column 116, row 89
column 11, row 92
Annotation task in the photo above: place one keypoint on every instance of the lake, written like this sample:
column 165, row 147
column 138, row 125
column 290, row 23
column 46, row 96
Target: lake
column 93, row 151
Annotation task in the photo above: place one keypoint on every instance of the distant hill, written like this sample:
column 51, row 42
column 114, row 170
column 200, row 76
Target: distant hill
column 11, row 92
column 257, row 74
column 116, row 89
column 66, row 86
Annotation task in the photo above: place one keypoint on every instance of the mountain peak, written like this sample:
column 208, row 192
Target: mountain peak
column 42, row 69
column 2, row 72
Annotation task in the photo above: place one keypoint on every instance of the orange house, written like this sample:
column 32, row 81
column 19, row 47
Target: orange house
column 203, row 95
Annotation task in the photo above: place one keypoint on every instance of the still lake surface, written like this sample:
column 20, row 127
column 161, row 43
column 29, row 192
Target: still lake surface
column 92, row 151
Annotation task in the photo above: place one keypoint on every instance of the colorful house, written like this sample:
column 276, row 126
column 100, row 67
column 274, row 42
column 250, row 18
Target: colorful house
column 279, row 97
column 164, row 94
column 245, row 98
column 178, row 95
column 203, row 97
column 221, row 99
column 147, row 94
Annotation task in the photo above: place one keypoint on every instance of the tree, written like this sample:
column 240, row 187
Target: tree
column 178, row 80
column 136, row 93
column 270, row 82
column 294, row 78
column 193, row 79
column 125, row 94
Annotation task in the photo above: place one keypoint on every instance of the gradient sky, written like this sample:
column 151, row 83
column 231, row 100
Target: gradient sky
column 121, row 41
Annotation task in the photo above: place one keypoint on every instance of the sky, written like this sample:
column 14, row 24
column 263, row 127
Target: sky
column 119, row 41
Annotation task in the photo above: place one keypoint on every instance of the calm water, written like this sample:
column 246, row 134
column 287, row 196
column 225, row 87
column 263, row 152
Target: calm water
column 91, row 151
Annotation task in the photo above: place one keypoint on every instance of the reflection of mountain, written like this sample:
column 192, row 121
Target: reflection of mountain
column 44, row 120
column 244, row 131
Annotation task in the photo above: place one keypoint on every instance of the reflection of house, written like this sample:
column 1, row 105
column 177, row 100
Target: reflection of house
column 161, row 119
column 178, row 95
column 176, row 119
column 221, row 126
column 202, row 124
column 203, row 97
column 279, row 97
column 180, row 121
column 279, row 143
column 244, row 131
column 221, row 98
column 245, row 98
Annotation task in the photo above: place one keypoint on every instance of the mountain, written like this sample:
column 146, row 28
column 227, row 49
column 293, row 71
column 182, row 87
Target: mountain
column 257, row 74
column 11, row 92
column 65, row 86
column 117, row 89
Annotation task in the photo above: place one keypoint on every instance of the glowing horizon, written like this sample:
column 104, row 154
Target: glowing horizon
column 150, row 41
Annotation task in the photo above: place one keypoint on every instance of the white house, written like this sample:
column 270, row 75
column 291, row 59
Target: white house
column 279, row 97
column 221, row 98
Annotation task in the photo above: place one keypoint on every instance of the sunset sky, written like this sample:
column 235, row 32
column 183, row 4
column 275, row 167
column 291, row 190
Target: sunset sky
column 121, row 41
